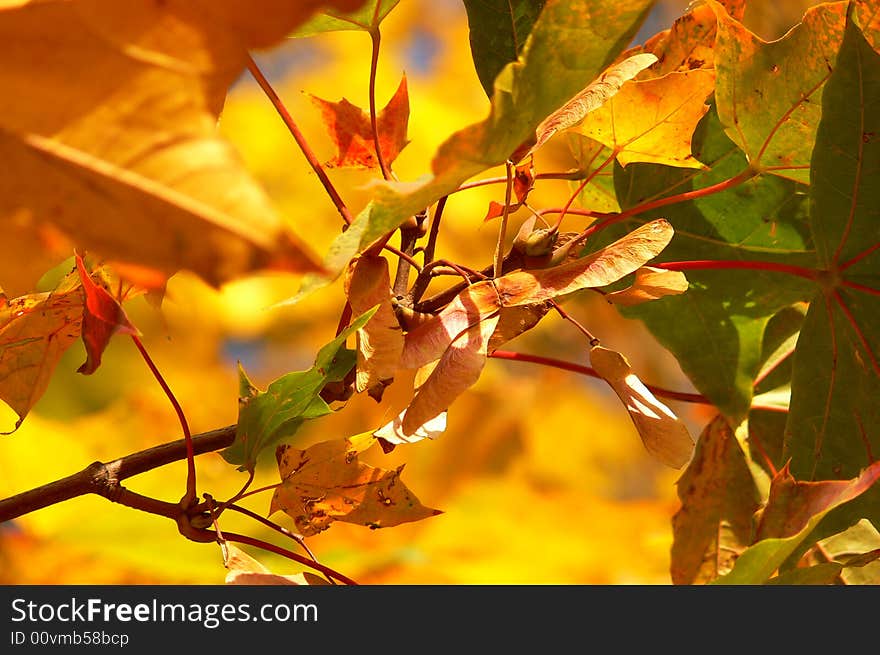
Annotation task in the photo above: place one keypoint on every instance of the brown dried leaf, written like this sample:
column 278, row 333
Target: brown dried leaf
column 605, row 266
column 664, row 435
column 650, row 284
column 792, row 503
column 35, row 330
column 513, row 321
column 327, row 483
column 352, row 133
column 430, row 340
column 718, row 499
column 458, row 369
column 523, row 180
column 380, row 341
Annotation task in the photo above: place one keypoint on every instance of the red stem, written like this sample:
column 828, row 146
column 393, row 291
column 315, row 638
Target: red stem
column 300, row 140
column 722, row 264
column 573, row 175
column 729, row 183
column 589, row 178
column 191, row 494
column 861, row 287
column 586, row 370
column 289, row 554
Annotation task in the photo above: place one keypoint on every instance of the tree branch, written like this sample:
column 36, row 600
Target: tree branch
column 104, row 478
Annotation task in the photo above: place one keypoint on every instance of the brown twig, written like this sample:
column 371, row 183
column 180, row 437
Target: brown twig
column 104, row 478
column 300, row 139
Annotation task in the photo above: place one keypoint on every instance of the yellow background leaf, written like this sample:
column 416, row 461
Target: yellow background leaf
column 35, row 330
column 117, row 118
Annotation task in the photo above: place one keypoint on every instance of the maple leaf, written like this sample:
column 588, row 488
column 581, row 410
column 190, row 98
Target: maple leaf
column 103, row 317
column 352, row 132
column 650, row 284
column 108, row 125
column 653, row 120
column 35, row 330
column 687, row 45
column 588, row 100
column 380, row 340
column 327, row 483
column 265, row 417
column 718, row 499
column 761, row 85
column 367, row 18
column 664, row 435
column 526, row 91
column 793, row 510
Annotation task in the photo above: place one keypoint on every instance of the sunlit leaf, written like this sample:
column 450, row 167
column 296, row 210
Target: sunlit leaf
column 599, row 194
column 653, row 120
column 850, row 546
column 327, row 483
column 35, row 330
column 351, row 130
column 664, row 435
column 594, row 96
column 650, row 284
column 265, row 417
column 689, row 44
column 458, row 369
column 769, row 95
column 367, row 18
column 718, row 498
column 498, row 33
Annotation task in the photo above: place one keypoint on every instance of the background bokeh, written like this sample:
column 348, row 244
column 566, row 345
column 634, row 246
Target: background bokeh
column 540, row 475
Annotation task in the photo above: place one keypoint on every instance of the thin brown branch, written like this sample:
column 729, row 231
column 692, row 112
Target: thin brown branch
column 104, row 478
column 300, row 139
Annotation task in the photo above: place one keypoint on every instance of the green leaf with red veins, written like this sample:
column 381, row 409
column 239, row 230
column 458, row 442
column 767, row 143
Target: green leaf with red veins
column 769, row 95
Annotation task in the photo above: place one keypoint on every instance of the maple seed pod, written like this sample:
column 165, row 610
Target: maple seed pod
column 537, row 243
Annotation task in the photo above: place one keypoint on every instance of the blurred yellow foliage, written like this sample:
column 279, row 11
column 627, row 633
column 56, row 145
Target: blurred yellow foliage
column 541, row 476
